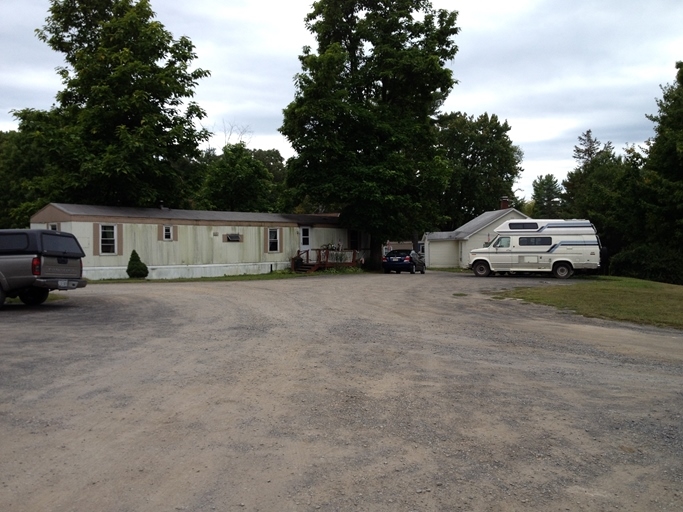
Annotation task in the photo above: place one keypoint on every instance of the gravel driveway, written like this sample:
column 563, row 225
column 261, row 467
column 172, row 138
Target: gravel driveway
column 355, row 392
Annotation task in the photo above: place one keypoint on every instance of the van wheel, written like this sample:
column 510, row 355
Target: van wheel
column 481, row 269
column 34, row 296
column 562, row 270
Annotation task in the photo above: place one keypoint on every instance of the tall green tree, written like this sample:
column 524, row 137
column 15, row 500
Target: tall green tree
column 22, row 161
column 361, row 119
column 483, row 165
column 237, row 181
column 546, row 196
column 665, row 161
column 273, row 161
column 124, row 123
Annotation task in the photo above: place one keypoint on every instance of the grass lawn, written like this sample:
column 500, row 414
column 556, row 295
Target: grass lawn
column 616, row 298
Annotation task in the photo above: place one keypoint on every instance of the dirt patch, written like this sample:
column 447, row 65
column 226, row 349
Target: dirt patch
column 363, row 392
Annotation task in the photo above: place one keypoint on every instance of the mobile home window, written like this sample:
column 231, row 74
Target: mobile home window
column 107, row 239
column 273, row 240
column 168, row 233
column 535, row 240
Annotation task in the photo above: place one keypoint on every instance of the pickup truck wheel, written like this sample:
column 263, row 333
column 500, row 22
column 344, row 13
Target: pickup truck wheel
column 34, row 296
column 423, row 269
column 562, row 270
column 481, row 269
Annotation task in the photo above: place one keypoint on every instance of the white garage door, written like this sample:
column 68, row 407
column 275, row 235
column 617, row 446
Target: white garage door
column 443, row 254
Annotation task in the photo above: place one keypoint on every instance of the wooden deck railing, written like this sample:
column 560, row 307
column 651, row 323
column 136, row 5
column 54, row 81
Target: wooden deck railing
column 314, row 259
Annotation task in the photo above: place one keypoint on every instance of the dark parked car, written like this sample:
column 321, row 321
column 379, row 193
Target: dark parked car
column 400, row 260
column 35, row 261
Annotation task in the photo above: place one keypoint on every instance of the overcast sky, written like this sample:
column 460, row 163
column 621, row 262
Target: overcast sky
column 552, row 68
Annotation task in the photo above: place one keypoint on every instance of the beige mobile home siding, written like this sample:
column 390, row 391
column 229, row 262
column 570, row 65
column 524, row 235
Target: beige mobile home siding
column 195, row 245
column 200, row 244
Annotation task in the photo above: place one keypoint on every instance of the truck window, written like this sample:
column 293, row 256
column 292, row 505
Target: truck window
column 59, row 244
column 13, row 242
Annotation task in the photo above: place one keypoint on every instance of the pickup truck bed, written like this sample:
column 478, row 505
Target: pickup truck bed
column 33, row 262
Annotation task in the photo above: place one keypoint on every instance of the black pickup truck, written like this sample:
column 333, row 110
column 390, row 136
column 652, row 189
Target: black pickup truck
column 35, row 261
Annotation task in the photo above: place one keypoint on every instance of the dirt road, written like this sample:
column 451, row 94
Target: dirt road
column 334, row 393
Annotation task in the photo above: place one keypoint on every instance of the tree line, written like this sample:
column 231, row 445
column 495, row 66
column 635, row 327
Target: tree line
column 371, row 141
column 635, row 200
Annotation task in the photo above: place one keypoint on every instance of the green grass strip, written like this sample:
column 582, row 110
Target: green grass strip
column 615, row 298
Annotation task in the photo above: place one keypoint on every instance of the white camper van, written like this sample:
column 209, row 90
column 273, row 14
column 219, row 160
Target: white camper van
column 550, row 245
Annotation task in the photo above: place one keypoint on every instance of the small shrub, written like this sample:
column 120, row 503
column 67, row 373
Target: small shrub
column 136, row 268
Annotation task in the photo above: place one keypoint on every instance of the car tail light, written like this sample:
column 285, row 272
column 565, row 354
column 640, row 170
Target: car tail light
column 35, row 266
column 407, row 258
column 384, row 258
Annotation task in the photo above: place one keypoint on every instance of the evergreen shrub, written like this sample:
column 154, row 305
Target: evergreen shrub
column 136, row 268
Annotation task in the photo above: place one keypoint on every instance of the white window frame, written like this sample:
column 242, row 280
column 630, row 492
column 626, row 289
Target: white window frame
column 275, row 240
column 167, row 234
column 113, row 242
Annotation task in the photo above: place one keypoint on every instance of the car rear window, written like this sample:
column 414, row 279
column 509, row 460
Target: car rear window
column 61, row 245
column 399, row 252
column 13, row 242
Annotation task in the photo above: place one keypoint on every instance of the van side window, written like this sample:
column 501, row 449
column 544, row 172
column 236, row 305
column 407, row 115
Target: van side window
column 503, row 241
column 523, row 225
column 535, row 240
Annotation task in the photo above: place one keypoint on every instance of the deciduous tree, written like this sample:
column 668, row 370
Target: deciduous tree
column 483, row 165
column 125, row 118
column 361, row 119
column 236, row 181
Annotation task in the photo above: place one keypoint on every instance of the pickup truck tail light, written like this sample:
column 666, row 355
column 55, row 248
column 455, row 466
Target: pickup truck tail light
column 35, row 266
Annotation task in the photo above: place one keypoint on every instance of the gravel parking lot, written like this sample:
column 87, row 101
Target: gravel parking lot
column 354, row 392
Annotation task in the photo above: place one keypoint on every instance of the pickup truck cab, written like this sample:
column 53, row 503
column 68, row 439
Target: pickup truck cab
column 35, row 261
